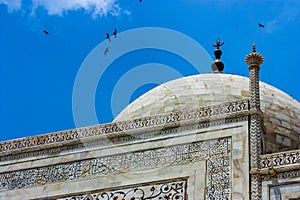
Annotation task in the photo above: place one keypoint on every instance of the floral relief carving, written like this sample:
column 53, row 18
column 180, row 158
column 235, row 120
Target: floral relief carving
column 173, row 190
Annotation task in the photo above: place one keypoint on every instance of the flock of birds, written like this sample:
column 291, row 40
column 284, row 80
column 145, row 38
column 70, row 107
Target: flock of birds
column 115, row 35
column 107, row 37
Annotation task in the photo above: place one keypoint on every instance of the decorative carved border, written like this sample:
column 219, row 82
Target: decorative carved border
column 122, row 139
column 282, row 176
column 218, row 178
column 66, row 137
column 128, row 162
column 280, row 159
column 171, row 189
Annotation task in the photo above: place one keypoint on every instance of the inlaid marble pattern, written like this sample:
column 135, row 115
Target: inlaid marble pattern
column 280, row 159
column 282, row 176
column 218, row 178
column 152, row 191
column 217, row 152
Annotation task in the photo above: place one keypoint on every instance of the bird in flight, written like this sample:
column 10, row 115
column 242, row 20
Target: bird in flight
column 261, row 25
column 115, row 33
column 140, row 0
column 107, row 37
column 46, row 32
column 106, row 50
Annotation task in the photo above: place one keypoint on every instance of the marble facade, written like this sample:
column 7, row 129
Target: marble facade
column 202, row 159
column 200, row 137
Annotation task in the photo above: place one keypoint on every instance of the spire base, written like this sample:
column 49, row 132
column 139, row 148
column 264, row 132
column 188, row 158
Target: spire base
column 218, row 66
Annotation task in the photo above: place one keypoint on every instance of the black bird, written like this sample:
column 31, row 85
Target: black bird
column 106, row 50
column 107, row 37
column 115, row 33
column 140, row 0
column 261, row 25
column 46, row 32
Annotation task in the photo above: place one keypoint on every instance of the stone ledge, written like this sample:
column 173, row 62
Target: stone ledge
column 280, row 159
column 118, row 129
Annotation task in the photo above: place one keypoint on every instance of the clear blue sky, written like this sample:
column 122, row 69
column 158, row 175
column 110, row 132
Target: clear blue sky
column 38, row 71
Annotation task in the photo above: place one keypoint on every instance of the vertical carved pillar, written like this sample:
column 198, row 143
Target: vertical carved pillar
column 254, row 60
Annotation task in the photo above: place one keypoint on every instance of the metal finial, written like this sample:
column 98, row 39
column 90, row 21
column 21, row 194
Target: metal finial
column 218, row 43
column 253, row 47
column 218, row 65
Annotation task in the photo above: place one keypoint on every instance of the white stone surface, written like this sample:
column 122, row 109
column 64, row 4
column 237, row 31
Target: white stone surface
column 281, row 112
column 281, row 119
column 194, row 171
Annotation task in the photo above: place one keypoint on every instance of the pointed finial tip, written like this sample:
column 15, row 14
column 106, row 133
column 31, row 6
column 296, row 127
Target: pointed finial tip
column 218, row 43
column 254, row 57
column 253, row 47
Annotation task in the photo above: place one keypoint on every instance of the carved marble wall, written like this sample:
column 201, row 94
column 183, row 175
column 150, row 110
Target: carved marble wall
column 209, row 162
column 216, row 152
column 195, row 159
column 163, row 190
column 281, row 179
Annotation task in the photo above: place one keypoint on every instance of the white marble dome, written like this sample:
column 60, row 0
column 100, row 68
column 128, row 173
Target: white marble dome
column 281, row 112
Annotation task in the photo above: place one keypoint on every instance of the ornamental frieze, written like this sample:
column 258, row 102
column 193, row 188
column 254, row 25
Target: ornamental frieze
column 280, row 159
column 214, row 151
column 283, row 165
column 122, row 139
column 282, row 175
column 67, row 137
column 151, row 191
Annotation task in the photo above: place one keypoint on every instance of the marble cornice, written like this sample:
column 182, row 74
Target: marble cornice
column 77, row 136
column 281, row 159
column 278, row 165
